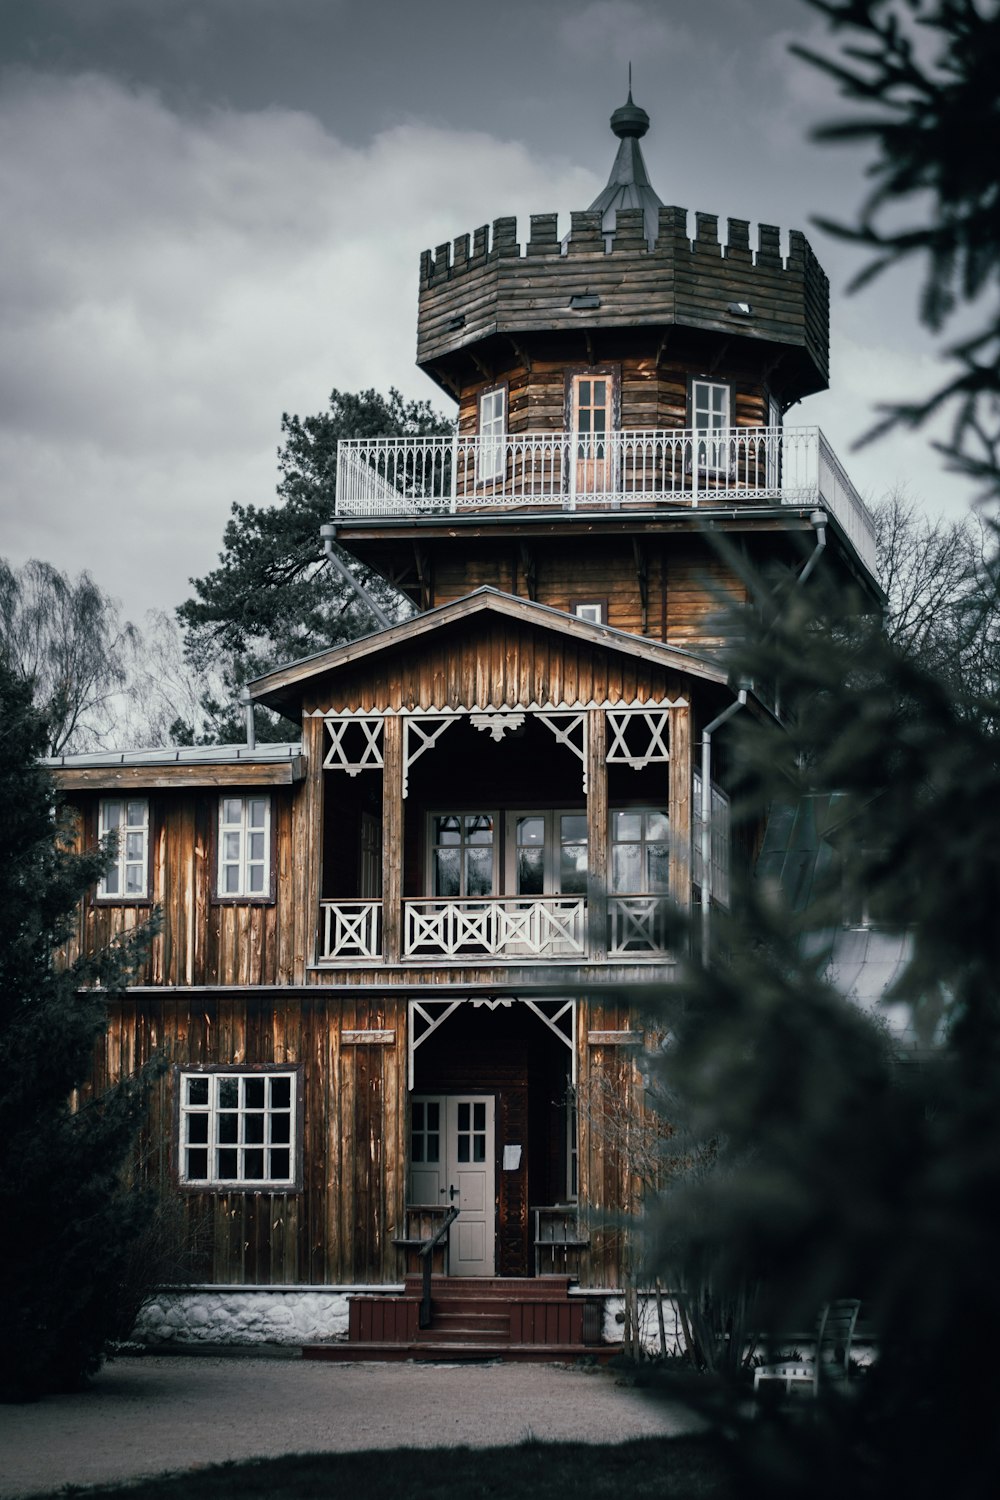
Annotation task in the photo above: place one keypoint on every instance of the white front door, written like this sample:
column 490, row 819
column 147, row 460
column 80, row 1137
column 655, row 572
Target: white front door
column 453, row 1163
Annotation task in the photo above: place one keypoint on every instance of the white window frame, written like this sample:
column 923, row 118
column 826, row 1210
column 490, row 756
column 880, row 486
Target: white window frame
column 245, row 861
column 491, row 457
column 589, row 609
column 552, row 845
column 131, row 825
column 462, row 845
column 711, row 455
column 721, row 843
column 773, row 444
column 202, row 1113
column 641, row 844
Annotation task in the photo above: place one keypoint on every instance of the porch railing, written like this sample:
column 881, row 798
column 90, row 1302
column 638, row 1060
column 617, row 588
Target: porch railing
column 637, row 925
column 674, row 467
column 350, row 929
column 549, row 927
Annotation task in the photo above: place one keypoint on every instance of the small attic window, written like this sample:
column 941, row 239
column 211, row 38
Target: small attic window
column 458, row 321
column 740, row 309
column 585, row 299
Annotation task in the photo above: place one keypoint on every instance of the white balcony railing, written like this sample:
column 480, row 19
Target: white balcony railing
column 515, row 927
column 544, row 471
column 545, row 927
column 350, row 929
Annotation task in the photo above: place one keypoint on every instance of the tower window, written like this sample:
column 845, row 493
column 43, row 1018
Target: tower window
column 492, row 432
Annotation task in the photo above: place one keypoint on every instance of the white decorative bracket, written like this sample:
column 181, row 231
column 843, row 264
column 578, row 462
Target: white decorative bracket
column 639, row 737
column 498, row 723
column 570, row 729
column 366, row 740
column 426, row 1016
column 427, row 737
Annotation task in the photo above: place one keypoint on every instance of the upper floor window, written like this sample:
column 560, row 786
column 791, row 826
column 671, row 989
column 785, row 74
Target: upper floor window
column 128, row 819
column 548, row 851
column 711, row 418
column 594, row 610
column 492, row 432
column 719, row 841
column 244, row 867
column 463, row 854
column 640, row 851
column 238, row 1128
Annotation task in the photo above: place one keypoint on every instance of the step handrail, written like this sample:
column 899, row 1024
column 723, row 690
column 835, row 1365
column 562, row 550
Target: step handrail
column 426, row 1253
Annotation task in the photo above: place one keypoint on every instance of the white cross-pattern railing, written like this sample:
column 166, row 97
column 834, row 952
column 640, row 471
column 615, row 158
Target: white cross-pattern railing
column 350, row 929
column 562, row 471
column 637, row 925
column 542, row 927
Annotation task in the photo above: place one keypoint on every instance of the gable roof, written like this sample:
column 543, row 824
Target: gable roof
column 283, row 688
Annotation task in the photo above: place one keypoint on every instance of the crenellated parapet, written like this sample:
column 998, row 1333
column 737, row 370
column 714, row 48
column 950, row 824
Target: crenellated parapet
column 487, row 284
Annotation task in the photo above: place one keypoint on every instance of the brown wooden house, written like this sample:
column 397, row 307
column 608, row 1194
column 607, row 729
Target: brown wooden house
column 393, row 955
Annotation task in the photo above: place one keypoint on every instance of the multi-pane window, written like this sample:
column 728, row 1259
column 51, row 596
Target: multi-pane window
column 238, row 1129
column 127, row 818
column 470, row 1131
column 425, row 1131
column 244, row 846
column 462, row 851
column 492, row 434
column 710, row 418
column 591, row 402
column 640, row 851
column 550, row 853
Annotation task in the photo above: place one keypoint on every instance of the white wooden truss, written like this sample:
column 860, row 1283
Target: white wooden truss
column 427, row 1016
column 355, row 744
column 639, row 736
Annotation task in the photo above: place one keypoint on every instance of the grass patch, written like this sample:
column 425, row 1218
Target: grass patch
column 683, row 1468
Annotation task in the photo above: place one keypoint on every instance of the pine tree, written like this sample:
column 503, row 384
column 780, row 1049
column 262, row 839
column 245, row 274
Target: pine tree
column 70, row 1218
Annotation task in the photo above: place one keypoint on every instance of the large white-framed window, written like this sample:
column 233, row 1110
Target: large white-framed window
column 244, row 848
column 640, row 851
column 127, row 819
column 773, row 444
column 238, row 1127
column 463, row 854
column 547, row 853
column 711, row 419
column 492, row 434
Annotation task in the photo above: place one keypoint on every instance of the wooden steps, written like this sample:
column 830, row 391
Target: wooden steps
column 473, row 1318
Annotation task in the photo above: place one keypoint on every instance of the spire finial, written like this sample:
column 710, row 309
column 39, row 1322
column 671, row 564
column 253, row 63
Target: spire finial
column 630, row 120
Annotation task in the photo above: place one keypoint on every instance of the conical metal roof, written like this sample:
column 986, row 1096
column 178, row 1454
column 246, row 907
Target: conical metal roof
column 629, row 185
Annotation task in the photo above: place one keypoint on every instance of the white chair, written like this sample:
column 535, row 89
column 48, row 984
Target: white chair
column 828, row 1364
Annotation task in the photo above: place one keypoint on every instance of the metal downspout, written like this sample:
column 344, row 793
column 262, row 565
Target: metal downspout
column 328, row 533
column 818, row 519
column 706, row 817
column 247, row 702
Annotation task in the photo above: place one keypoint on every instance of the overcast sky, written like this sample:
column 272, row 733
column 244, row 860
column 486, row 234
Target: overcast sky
column 214, row 211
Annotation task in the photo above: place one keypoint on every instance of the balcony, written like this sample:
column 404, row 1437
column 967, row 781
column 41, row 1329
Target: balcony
column 669, row 470
column 512, row 928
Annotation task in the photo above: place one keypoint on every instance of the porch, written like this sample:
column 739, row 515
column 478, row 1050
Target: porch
column 671, row 469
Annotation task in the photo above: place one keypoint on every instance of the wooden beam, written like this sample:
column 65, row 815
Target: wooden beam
column 307, row 865
column 528, row 569
column 392, row 839
column 177, row 774
column 522, row 354
column 642, row 579
column 680, row 781
column 597, row 834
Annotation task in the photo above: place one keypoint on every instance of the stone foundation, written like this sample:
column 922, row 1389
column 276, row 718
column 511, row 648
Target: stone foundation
column 244, row 1315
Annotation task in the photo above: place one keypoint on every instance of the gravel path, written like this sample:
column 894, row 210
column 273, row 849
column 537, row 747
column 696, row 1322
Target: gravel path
column 144, row 1416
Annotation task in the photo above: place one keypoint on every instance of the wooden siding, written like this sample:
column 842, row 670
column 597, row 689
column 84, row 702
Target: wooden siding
column 495, row 290
column 488, row 659
column 337, row 1225
column 201, row 939
column 653, row 390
